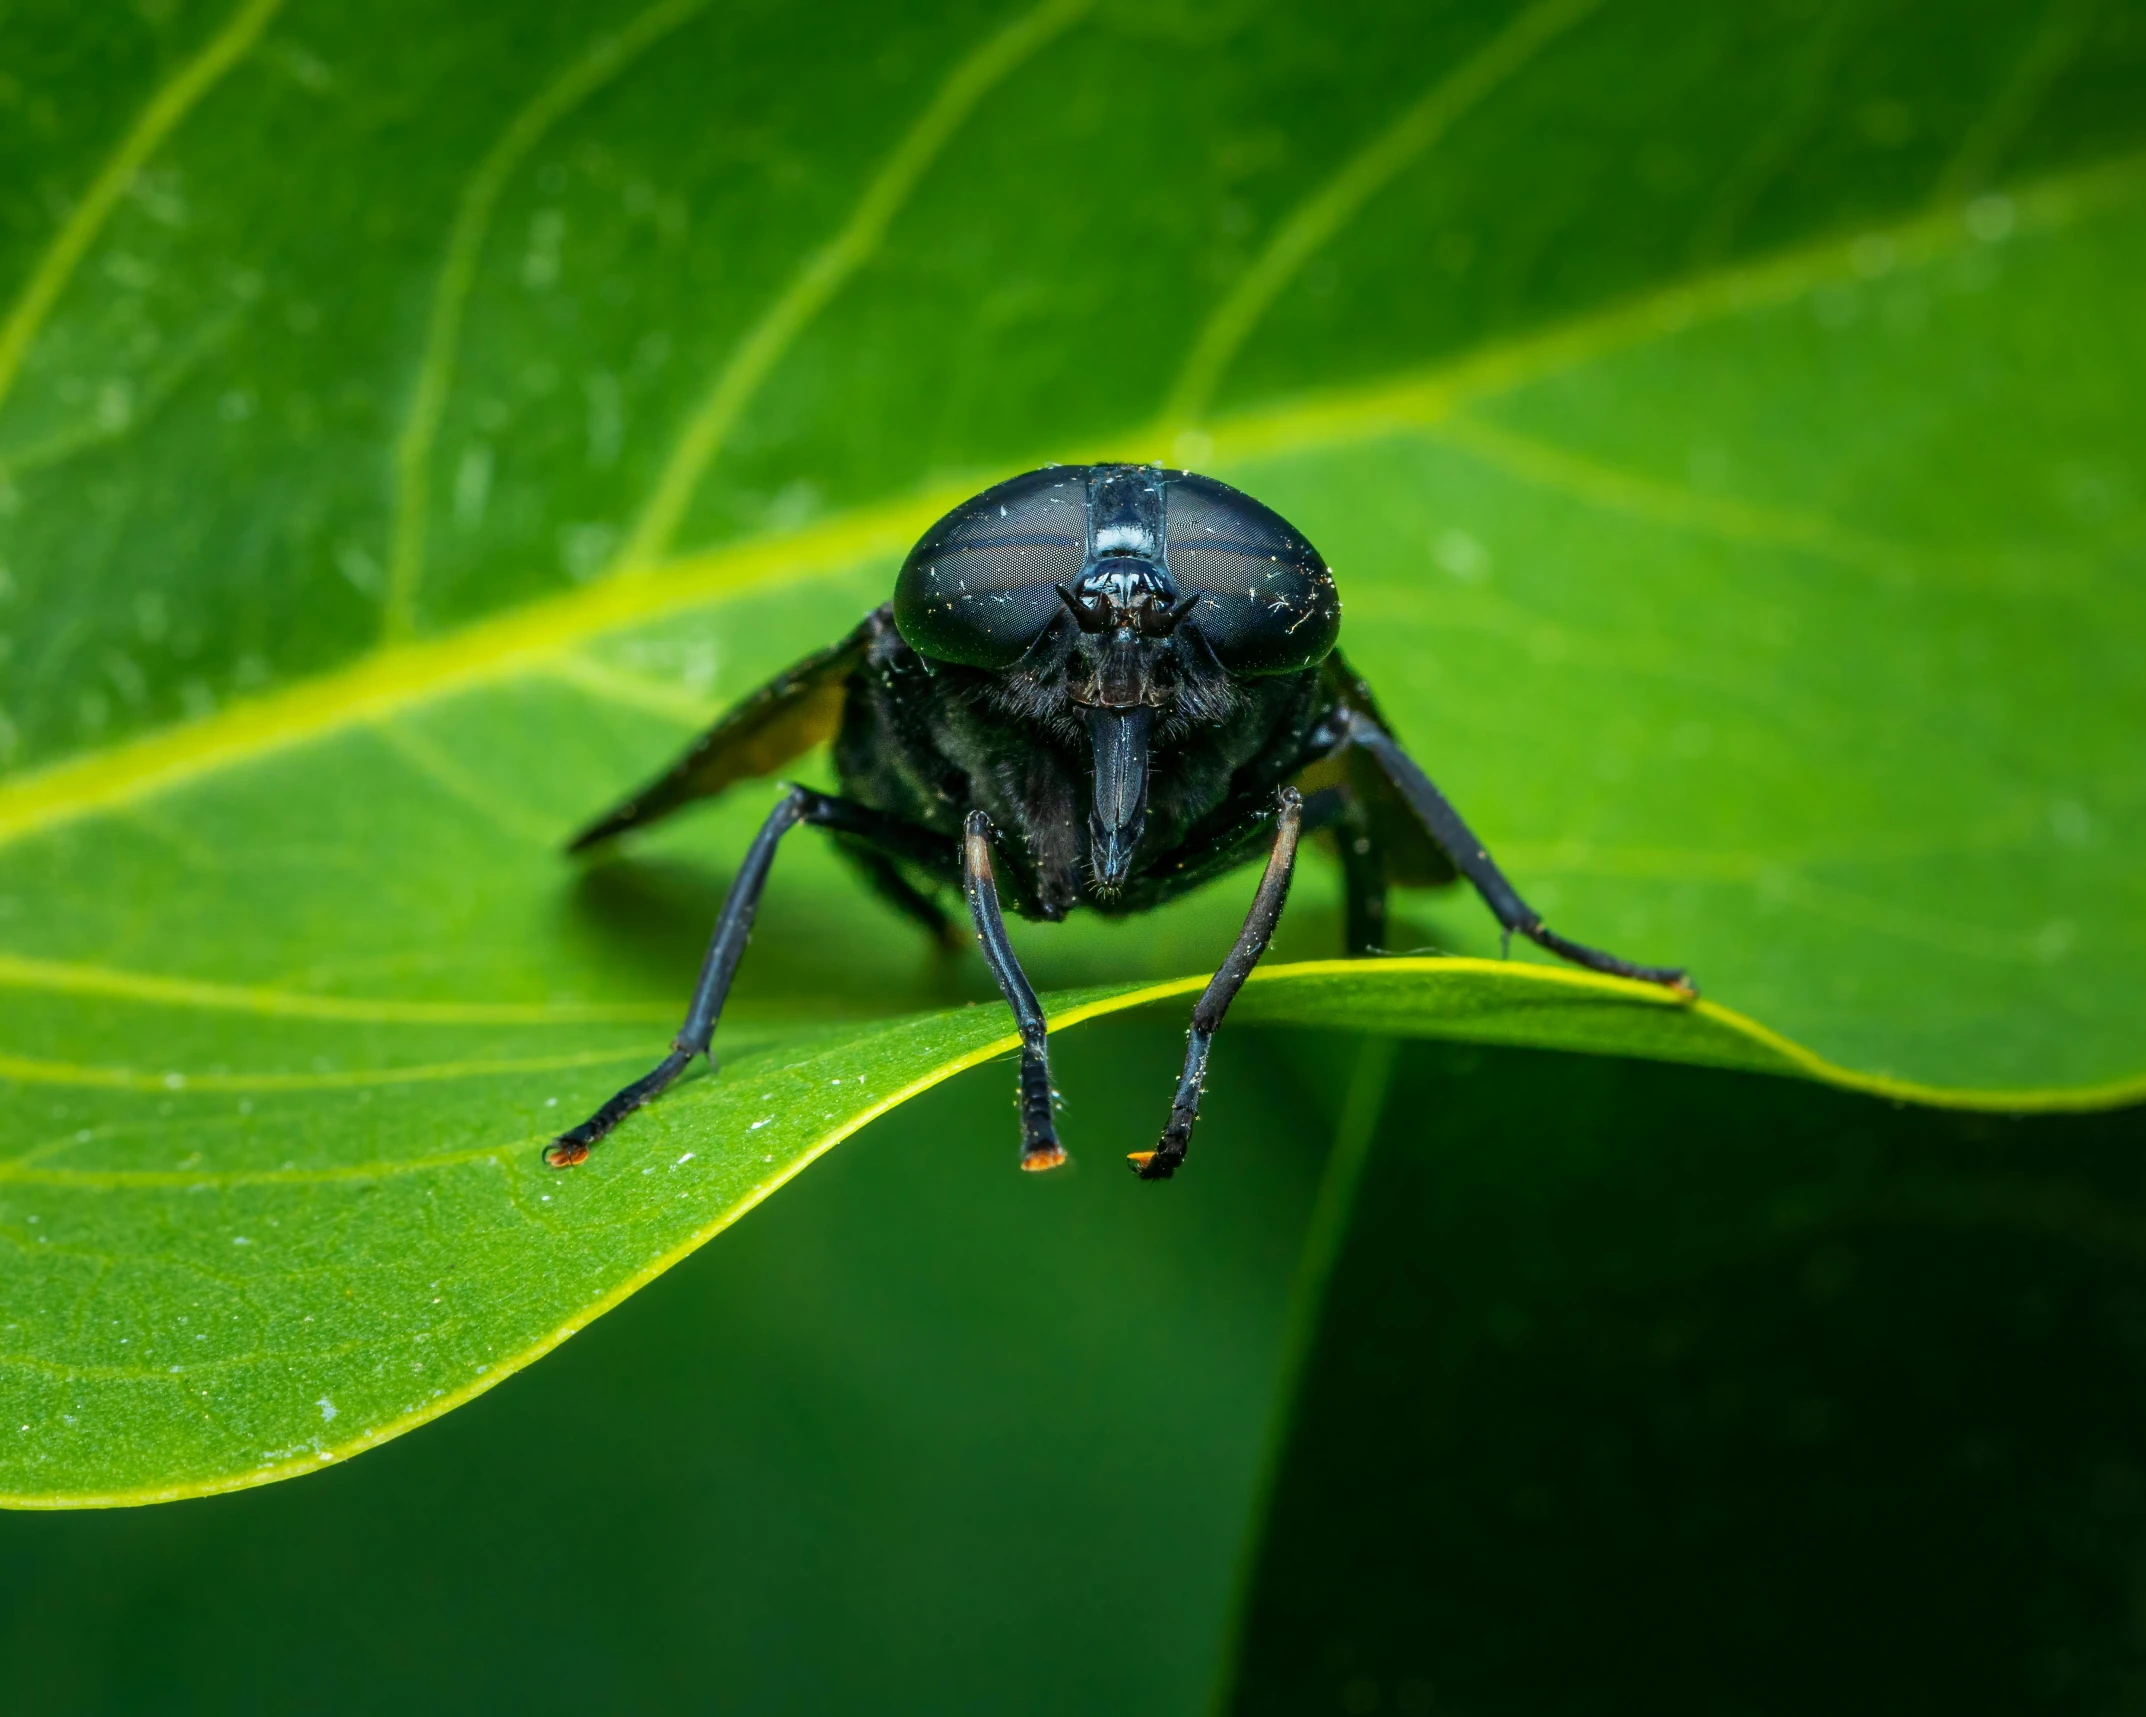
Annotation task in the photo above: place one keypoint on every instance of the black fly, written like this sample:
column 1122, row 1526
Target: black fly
column 1101, row 686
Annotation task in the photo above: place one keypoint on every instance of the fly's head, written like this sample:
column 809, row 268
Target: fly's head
column 1124, row 669
column 1115, row 609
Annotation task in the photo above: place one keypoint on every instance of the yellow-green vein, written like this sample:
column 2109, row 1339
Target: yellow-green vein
column 64, row 977
column 421, row 670
column 1783, row 1055
column 824, row 273
column 1414, row 403
column 432, row 764
column 1560, row 471
column 22, row 1173
column 529, row 638
column 34, row 1072
column 1337, row 202
column 609, row 685
column 605, row 59
column 173, row 101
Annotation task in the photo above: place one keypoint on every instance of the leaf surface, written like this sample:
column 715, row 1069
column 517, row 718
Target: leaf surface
column 1726, row 431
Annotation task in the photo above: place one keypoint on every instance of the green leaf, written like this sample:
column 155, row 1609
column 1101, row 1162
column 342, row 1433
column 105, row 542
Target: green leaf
column 1726, row 430
column 846, row 1457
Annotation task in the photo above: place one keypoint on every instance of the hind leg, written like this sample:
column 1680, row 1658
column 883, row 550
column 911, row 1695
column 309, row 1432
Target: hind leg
column 1338, row 812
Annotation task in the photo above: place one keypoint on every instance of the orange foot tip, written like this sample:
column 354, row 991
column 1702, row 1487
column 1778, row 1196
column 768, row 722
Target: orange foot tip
column 565, row 1153
column 1139, row 1160
column 1049, row 1157
column 1684, row 990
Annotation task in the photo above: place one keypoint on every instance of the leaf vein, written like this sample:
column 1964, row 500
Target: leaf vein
column 824, row 273
column 172, row 102
column 525, row 639
column 603, row 60
column 1315, row 221
column 157, row 989
column 31, row 1071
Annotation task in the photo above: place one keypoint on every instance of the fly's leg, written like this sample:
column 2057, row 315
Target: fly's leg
column 733, row 928
column 1363, row 885
column 1339, row 812
column 1040, row 1148
column 1475, row 863
column 1163, row 1161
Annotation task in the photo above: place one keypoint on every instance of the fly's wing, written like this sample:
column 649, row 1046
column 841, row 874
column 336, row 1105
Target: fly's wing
column 1413, row 858
column 793, row 712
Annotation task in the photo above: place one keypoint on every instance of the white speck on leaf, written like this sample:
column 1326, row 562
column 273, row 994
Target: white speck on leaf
column 1463, row 556
column 1990, row 218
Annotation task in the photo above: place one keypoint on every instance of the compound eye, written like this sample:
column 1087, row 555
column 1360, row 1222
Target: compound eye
column 982, row 584
column 1262, row 598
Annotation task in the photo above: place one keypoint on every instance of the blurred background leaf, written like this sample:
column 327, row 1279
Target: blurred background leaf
column 1725, row 423
column 1639, row 1388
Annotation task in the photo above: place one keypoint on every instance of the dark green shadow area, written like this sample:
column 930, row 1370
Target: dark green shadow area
column 1654, row 1389
column 923, row 1434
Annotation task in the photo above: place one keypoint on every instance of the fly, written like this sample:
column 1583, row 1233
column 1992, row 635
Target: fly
column 1068, row 705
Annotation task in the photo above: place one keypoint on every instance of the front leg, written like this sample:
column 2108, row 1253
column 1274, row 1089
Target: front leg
column 1163, row 1161
column 1040, row 1148
column 1474, row 862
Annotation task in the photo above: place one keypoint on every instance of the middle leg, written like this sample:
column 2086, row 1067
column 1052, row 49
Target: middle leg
column 1040, row 1148
column 1339, row 812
